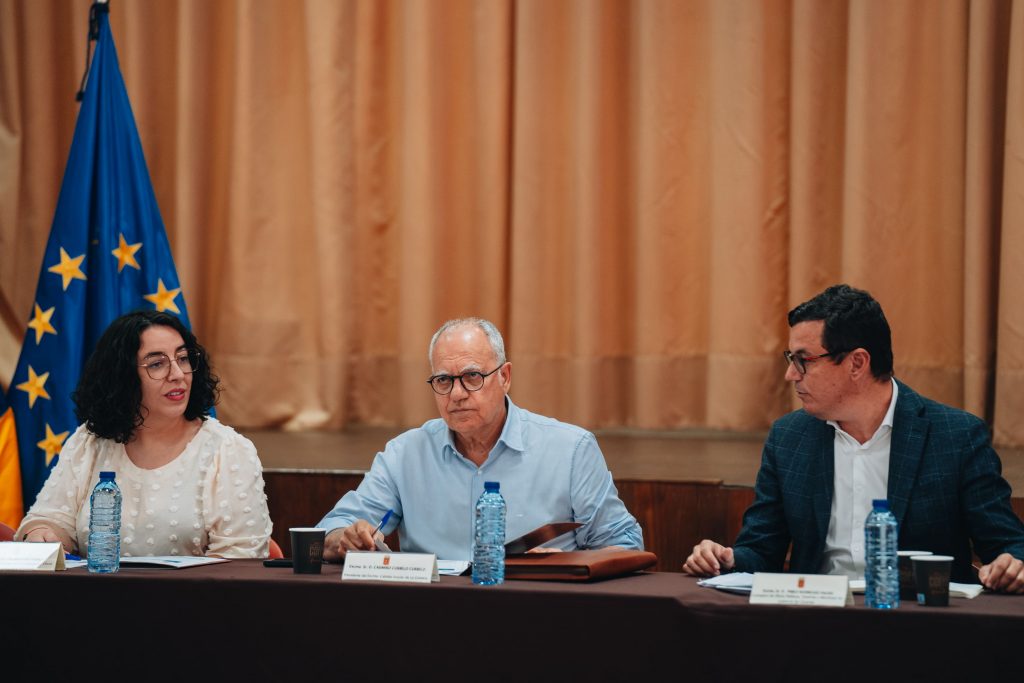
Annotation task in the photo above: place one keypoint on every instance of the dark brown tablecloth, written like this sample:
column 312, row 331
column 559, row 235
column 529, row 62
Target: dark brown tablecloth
column 240, row 620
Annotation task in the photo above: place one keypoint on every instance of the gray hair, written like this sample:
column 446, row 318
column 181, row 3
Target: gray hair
column 485, row 326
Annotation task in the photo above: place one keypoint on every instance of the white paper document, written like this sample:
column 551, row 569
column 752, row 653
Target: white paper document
column 169, row 561
column 742, row 582
column 965, row 590
column 452, row 567
column 737, row 582
column 42, row 557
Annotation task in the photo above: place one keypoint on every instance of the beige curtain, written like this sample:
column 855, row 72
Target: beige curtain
column 635, row 192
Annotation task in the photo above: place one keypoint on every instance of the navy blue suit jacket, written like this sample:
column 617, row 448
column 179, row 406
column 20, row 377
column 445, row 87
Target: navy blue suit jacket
column 945, row 488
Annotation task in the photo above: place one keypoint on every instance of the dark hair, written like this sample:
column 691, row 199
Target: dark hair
column 853, row 319
column 109, row 394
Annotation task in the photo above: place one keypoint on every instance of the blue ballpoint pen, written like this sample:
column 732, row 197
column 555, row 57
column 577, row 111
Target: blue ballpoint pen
column 383, row 521
column 381, row 545
column 69, row 556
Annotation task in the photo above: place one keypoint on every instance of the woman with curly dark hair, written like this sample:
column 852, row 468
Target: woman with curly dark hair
column 190, row 485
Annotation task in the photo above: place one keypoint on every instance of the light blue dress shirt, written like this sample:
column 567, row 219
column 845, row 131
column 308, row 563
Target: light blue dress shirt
column 549, row 471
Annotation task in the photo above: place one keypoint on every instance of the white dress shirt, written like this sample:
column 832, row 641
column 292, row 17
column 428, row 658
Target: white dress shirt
column 861, row 475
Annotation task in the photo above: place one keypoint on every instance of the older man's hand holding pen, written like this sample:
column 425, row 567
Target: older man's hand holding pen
column 358, row 536
column 1004, row 574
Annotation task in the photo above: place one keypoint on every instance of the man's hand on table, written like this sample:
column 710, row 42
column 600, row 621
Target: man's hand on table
column 709, row 559
column 1004, row 574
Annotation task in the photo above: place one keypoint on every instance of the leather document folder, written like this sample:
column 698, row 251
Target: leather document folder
column 539, row 536
column 578, row 565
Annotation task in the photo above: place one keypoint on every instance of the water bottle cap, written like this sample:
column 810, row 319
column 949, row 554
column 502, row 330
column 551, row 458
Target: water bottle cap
column 107, row 476
column 491, row 486
column 880, row 504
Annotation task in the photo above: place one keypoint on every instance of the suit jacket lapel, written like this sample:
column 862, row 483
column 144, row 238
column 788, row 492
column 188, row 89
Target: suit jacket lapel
column 909, row 431
column 823, row 467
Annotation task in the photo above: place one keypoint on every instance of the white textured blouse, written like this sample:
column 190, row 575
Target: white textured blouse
column 207, row 501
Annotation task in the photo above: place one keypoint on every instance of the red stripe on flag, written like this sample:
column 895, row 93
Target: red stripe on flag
column 11, row 509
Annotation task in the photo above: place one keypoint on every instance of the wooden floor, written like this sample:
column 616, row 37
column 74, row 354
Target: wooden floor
column 706, row 456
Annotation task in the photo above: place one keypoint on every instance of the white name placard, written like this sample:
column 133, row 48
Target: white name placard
column 407, row 567
column 801, row 589
column 43, row 557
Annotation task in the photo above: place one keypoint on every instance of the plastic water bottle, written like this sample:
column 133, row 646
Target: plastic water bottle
column 881, row 564
column 105, row 526
column 489, row 541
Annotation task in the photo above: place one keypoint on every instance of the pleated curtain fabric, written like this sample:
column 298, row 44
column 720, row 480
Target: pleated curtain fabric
column 634, row 192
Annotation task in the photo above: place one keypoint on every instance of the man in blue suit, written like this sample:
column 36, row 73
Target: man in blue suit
column 862, row 435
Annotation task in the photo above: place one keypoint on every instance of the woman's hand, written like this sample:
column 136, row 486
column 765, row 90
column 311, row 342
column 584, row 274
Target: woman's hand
column 42, row 534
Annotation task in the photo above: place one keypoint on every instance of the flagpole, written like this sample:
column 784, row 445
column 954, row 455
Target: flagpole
column 94, row 33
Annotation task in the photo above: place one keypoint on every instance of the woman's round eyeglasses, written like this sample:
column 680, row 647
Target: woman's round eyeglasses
column 158, row 366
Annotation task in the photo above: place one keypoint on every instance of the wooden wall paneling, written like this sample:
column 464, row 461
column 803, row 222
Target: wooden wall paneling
column 303, row 498
column 674, row 516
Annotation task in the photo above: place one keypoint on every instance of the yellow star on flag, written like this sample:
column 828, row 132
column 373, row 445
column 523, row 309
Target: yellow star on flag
column 34, row 386
column 41, row 323
column 125, row 253
column 52, row 444
column 163, row 298
column 68, row 268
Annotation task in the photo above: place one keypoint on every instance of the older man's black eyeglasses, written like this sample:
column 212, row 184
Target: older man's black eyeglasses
column 471, row 381
column 800, row 362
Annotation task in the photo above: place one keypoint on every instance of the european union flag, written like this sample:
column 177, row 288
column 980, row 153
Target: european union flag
column 107, row 255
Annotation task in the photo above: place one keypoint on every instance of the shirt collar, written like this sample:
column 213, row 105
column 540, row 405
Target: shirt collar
column 887, row 421
column 889, row 414
column 511, row 433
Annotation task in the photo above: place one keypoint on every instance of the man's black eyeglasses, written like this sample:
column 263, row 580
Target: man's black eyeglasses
column 800, row 362
column 471, row 381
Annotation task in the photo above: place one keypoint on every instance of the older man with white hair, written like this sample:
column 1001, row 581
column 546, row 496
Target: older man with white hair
column 431, row 476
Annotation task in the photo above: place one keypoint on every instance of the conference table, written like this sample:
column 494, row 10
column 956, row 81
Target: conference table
column 242, row 621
